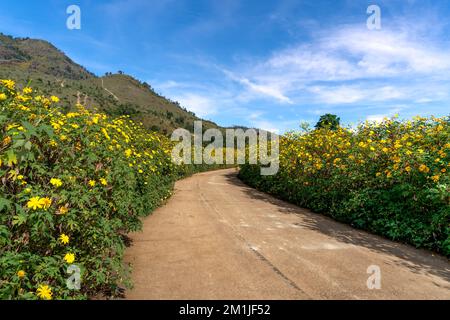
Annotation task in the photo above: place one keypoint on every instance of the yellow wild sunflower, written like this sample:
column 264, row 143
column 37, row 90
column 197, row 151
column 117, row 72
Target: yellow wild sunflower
column 9, row 84
column 63, row 210
column 34, row 203
column 69, row 258
column 56, row 182
column 45, row 203
column 27, row 90
column 436, row 178
column 64, row 239
column 44, row 292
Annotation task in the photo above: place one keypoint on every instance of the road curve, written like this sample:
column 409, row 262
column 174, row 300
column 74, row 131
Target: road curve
column 216, row 238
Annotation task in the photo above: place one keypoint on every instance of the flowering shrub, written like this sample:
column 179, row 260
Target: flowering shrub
column 72, row 185
column 391, row 178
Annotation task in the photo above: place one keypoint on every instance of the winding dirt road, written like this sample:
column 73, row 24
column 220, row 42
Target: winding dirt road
column 219, row 239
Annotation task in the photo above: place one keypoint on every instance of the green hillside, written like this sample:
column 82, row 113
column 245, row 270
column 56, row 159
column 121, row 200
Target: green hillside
column 49, row 70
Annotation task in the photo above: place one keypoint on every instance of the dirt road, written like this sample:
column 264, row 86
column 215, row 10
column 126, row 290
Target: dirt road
column 219, row 239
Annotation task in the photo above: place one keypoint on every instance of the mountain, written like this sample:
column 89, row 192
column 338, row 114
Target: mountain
column 47, row 69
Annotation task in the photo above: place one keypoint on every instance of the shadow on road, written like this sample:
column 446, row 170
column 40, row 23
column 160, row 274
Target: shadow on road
column 417, row 260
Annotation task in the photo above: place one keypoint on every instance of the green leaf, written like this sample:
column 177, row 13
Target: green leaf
column 12, row 158
column 31, row 130
column 5, row 203
column 19, row 143
column 19, row 219
column 5, row 236
column 28, row 145
column 3, row 119
column 49, row 131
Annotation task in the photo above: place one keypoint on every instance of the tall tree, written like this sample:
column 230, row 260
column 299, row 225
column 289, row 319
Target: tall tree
column 329, row 121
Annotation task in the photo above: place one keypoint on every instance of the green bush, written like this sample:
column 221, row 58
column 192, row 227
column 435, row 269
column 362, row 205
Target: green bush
column 72, row 186
column 391, row 178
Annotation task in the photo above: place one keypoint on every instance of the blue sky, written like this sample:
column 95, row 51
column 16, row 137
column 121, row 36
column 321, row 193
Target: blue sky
column 268, row 64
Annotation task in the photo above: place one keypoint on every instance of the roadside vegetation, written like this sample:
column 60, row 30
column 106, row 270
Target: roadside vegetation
column 72, row 186
column 391, row 178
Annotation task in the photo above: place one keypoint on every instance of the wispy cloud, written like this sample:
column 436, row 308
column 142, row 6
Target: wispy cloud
column 277, row 126
column 346, row 67
column 390, row 112
column 351, row 54
column 345, row 94
column 267, row 90
column 202, row 106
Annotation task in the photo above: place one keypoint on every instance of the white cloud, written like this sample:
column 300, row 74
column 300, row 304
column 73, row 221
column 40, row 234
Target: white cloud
column 376, row 117
column 346, row 70
column 345, row 94
column 266, row 125
column 393, row 110
column 355, row 54
column 255, row 115
column 258, row 119
column 266, row 90
column 202, row 106
column 170, row 84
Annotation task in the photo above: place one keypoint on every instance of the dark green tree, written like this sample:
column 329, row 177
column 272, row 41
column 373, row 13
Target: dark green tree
column 329, row 121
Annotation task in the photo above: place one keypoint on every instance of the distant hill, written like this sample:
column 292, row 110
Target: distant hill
column 49, row 70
